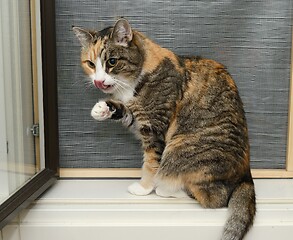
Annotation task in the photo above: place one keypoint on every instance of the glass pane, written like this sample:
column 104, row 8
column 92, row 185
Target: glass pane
column 252, row 38
column 17, row 158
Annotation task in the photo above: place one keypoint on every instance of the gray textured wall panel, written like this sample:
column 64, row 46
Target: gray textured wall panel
column 252, row 38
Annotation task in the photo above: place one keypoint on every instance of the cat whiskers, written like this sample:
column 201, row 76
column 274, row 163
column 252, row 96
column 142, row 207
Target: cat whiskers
column 81, row 82
column 88, row 85
column 123, row 86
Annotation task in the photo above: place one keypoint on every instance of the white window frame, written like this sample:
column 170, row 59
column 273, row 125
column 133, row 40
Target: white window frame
column 64, row 211
column 103, row 209
column 16, row 108
column 21, row 189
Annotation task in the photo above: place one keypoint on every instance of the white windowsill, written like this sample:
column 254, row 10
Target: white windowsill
column 103, row 209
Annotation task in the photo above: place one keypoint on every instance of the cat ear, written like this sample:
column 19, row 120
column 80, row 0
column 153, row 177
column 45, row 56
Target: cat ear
column 84, row 36
column 122, row 32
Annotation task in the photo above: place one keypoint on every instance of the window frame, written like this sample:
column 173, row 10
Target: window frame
column 46, row 177
column 289, row 160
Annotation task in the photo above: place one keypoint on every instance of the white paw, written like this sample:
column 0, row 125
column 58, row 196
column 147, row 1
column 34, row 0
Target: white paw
column 175, row 194
column 101, row 111
column 137, row 189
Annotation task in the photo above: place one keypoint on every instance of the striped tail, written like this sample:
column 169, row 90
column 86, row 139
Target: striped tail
column 242, row 211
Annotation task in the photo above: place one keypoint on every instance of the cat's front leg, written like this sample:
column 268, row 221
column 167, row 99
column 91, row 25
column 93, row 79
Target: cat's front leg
column 149, row 169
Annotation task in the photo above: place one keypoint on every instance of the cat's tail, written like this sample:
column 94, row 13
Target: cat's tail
column 242, row 211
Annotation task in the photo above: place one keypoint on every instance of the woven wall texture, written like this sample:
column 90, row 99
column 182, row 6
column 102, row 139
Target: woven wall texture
column 252, row 38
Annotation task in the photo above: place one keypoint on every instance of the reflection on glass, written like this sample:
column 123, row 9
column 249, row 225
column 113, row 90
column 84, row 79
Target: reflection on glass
column 17, row 154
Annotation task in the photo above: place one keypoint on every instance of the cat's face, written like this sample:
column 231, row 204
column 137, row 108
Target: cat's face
column 110, row 58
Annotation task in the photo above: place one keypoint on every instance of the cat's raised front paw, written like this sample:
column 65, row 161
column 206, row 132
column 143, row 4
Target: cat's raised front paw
column 101, row 111
column 137, row 189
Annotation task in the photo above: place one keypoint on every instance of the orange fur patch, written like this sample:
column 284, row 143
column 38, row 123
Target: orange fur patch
column 150, row 168
column 151, row 158
column 155, row 55
column 231, row 82
column 91, row 54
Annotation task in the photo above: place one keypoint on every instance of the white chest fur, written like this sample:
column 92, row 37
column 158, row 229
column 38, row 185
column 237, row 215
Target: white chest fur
column 124, row 95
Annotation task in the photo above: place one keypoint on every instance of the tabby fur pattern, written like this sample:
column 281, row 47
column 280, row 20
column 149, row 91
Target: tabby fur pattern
column 186, row 111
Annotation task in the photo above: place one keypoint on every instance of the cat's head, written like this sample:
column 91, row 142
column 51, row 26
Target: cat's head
column 111, row 58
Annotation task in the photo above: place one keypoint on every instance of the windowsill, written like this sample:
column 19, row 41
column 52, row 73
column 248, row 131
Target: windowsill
column 105, row 207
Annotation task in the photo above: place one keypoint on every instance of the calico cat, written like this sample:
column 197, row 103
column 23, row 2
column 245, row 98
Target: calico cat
column 187, row 113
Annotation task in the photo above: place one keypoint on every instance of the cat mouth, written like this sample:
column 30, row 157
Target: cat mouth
column 101, row 85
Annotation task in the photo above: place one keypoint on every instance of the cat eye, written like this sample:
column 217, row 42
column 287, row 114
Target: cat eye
column 90, row 64
column 112, row 62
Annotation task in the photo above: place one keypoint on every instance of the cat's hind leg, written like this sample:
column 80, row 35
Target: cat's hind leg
column 170, row 188
column 146, row 185
column 138, row 189
column 210, row 194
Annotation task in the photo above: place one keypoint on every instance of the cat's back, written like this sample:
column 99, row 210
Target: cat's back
column 205, row 73
column 211, row 106
column 210, row 87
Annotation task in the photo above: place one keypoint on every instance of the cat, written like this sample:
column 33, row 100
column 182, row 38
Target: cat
column 186, row 111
